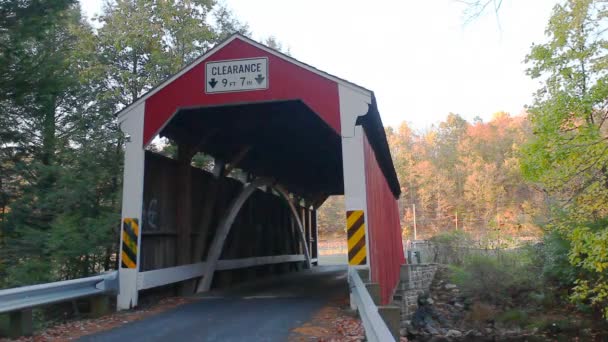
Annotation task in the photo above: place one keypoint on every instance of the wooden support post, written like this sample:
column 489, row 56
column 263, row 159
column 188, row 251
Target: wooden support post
column 259, row 247
column 302, row 211
column 405, row 273
column 391, row 314
column 299, row 225
column 220, row 171
column 251, row 247
column 374, row 292
column 184, row 212
column 100, row 306
column 270, row 234
column 315, row 235
column 21, row 323
column 364, row 274
column 309, row 224
column 291, row 237
column 285, row 234
column 214, row 187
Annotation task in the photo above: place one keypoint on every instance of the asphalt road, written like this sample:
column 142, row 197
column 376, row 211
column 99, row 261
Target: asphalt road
column 265, row 310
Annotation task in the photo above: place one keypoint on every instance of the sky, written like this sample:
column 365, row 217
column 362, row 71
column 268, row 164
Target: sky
column 421, row 58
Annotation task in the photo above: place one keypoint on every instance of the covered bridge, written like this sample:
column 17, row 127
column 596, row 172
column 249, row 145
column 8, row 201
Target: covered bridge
column 282, row 137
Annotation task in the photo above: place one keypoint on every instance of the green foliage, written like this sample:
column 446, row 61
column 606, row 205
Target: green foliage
column 567, row 156
column 143, row 42
column 555, row 262
column 484, row 277
column 590, row 252
column 60, row 145
column 453, row 238
column 330, row 217
column 513, row 317
column 450, row 247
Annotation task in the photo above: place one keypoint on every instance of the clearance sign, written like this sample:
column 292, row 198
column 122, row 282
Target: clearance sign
column 236, row 75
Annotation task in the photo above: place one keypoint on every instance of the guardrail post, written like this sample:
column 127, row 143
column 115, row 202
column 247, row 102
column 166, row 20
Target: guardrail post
column 364, row 274
column 374, row 292
column 376, row 329
column 100, row 305
column 391, row 314
column 21, row 323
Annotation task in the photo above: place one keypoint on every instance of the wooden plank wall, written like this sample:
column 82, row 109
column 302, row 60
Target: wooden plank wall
column 263, row 227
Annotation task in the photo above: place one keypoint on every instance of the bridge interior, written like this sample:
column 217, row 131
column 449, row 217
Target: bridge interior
column 284, row 142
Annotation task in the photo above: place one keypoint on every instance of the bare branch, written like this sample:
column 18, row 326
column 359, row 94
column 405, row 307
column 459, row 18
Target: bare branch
column 476, row 8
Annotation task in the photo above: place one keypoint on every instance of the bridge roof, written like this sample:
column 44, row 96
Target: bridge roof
column 185, row 95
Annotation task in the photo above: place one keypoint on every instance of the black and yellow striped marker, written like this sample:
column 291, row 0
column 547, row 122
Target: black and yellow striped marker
column 130, row 231
column 355, row 230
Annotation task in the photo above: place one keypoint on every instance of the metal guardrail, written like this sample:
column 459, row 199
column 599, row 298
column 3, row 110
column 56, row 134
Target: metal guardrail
column 375, row 328
column 26, row 297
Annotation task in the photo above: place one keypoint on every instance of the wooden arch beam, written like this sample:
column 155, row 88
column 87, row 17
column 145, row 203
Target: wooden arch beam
column 223, row 229
column 295, row 215
column 225, row 225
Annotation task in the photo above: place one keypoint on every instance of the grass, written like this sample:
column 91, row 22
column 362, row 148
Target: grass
column 516, row 317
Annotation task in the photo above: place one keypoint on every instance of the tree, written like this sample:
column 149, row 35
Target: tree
column 143, row 42
column 61, row 150
column 476, row 8
column 273, row 43
column 568, row 156
column 467, row 176
column 331, row 217
column 50, row 107
column 227, row 23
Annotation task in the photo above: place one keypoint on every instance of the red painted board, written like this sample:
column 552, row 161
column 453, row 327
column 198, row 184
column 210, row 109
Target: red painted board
column 287, row 81
column 386, row 246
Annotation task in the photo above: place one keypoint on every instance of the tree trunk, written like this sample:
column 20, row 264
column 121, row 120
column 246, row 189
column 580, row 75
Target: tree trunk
column 48, row 134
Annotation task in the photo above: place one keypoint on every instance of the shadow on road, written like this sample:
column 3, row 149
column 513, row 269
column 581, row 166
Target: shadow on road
column 264, row 310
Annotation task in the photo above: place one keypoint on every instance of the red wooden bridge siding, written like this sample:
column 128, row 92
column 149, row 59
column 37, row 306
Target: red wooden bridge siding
column 287, row 81
column 386, row 247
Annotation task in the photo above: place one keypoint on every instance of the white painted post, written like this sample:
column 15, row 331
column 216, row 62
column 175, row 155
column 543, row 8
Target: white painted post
column 355, row 195
column 132, row 200
column 352, row 105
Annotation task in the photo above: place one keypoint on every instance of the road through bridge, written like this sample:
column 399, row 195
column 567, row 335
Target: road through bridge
column 261, row 310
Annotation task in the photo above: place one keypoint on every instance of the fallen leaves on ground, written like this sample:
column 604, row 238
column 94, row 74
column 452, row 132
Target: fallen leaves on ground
column 333, row 323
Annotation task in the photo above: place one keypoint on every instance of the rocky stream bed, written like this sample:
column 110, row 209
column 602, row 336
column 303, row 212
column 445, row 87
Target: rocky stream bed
column 445, row 314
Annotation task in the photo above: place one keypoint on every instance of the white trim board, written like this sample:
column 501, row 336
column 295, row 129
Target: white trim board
column 170, row 275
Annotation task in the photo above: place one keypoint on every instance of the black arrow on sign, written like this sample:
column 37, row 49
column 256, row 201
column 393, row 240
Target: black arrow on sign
column 212, row 83
column 260, row 79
